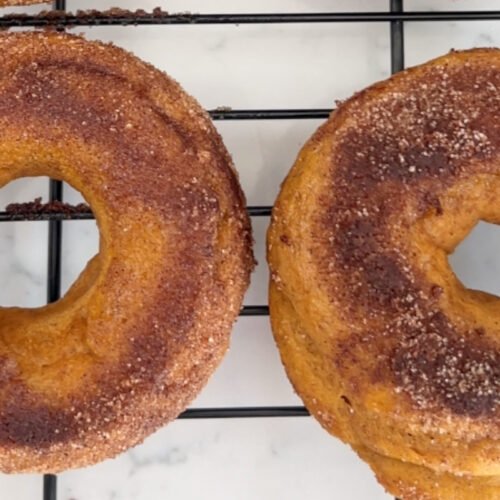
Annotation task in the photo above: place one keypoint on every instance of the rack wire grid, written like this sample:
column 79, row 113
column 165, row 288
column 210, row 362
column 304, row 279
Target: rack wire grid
column 395, row 17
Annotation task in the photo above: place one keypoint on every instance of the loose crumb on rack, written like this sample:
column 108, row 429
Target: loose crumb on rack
column 35, row 208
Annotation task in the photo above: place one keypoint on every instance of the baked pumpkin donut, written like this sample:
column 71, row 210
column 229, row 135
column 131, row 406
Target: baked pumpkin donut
column 388, row 350
column 148, row 320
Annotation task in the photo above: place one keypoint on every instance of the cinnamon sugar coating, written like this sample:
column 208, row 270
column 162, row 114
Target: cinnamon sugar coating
column 147, row 322
column 376, row 201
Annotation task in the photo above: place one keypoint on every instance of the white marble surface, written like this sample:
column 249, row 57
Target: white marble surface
column 274, row 66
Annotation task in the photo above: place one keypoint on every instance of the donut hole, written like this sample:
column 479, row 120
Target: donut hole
column 476, row 259
column 24, row 246
column 80, row 242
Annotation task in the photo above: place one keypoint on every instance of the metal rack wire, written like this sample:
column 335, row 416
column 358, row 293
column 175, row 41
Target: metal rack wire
column 395, row 16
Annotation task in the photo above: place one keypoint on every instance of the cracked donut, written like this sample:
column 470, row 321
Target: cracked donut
column 388, row 349
column 138, row 334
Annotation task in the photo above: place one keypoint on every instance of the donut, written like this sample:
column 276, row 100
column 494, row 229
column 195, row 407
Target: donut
column 148, row 320
column 389, row 351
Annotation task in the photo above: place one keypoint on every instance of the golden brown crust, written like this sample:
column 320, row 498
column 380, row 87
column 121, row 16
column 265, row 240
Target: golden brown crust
column 148, row 320
column 386, row 347
column 412, row 482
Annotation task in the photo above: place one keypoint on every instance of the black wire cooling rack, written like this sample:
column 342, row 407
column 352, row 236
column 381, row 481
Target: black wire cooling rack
column 60, row 20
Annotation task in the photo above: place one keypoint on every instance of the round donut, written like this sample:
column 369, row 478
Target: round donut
column 387, row 348
column 148, row 320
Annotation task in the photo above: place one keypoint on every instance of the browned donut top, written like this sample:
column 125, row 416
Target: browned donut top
column 402, row 146
column 148, row 320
